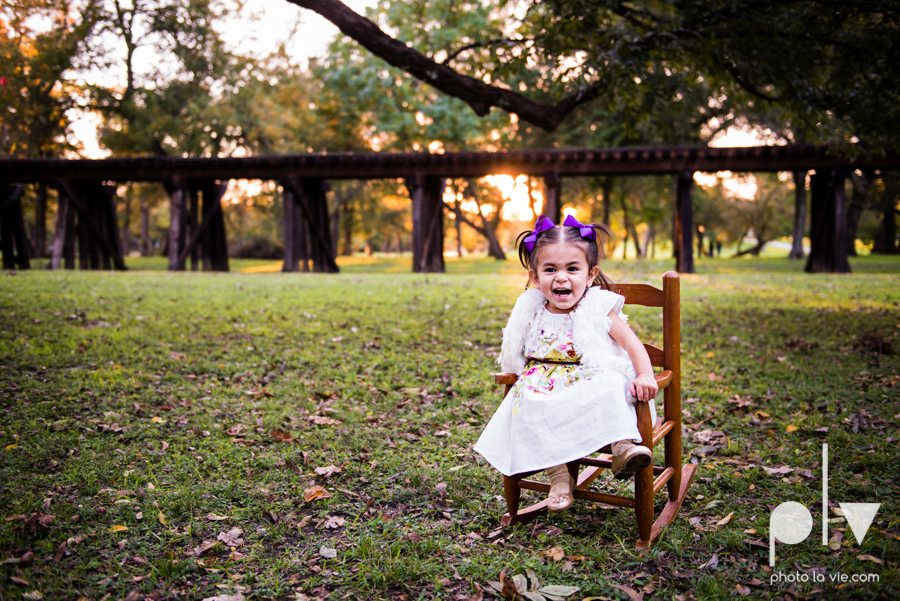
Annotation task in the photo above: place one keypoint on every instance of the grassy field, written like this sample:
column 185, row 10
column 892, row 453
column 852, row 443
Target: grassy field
column 269, row 436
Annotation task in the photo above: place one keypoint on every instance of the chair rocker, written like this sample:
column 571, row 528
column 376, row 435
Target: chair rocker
column 673, row 475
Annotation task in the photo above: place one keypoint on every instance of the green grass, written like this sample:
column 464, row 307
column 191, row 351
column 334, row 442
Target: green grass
column 150, row 400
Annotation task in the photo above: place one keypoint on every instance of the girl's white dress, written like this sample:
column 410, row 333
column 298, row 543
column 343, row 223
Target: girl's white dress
column 559, row 412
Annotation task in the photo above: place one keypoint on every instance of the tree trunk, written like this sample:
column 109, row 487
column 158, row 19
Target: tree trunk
column 458, row 220
column 625, row 223
column 126, row 227
column 856, row 206
column 494, row 249
column 177, row 198
column 607, row 201
column 886, row 238
column 646, row 244
column 638, row 248
column 145, row 227
column 40, row 220
column 348, row 229
column 799, row 215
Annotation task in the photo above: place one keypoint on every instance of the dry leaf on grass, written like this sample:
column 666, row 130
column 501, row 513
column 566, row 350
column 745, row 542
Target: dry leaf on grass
column 778, row 471
column 321, row 420
column 328, row 470
column 327, row 552
column 554, row 553
column 212, row 517
column 333, row 521
column 713, row 562
column 281, row 435
column 203, row 548
column 315, row 493
column 633, row 595
column 232, row 537
column 870, row 558
column 516, row 588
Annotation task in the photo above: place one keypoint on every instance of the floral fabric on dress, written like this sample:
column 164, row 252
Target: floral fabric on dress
column 558, row 411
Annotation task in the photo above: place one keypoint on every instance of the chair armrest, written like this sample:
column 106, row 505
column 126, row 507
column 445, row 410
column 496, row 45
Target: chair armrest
column 506, row 378
column 663, row 378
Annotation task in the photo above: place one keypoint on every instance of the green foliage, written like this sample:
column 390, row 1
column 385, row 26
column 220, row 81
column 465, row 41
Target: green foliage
column 393, row 110
column 183, row 106
column 830, row 69
column 42, row 42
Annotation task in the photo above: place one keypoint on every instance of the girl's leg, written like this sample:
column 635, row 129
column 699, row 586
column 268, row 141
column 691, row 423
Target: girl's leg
column 561, row 486
column 629, row 458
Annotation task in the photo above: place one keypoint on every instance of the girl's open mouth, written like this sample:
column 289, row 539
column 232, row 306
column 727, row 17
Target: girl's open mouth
column 562, row 291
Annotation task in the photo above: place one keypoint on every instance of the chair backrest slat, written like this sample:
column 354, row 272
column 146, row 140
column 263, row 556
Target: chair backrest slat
column 657, row 356
column 641, row 294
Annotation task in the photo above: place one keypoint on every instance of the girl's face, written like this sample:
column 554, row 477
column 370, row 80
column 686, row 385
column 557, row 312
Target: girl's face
column 562, row 275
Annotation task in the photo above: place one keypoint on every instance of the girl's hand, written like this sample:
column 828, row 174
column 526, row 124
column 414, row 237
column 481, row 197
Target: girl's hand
column 644, row 387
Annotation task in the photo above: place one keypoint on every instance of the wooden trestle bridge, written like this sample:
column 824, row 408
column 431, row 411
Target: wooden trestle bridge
column 86, row 213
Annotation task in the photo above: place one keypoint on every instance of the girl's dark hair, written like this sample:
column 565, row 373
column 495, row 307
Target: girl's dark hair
column 593, row 247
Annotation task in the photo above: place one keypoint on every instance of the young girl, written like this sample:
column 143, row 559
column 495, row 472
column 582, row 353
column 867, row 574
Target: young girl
column 580, row 366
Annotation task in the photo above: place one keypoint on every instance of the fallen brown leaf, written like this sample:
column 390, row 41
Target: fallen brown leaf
column 321, row 420
column 633, row 595
column 314, row 493
column 232, row 537
column 554, row 553
column 329, row 470
column 281, row 435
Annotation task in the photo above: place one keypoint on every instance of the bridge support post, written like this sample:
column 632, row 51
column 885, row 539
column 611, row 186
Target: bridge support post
column 828, row 223
column 306, row 225
column 683, row 243
column 426, row 193
column 552, row 196
column 13, row 241
column 95, row 229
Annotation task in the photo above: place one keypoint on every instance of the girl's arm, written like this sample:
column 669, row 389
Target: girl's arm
column 644, row 386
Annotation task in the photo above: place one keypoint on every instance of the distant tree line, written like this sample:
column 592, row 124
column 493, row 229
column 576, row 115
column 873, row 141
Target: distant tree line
column 453, row 76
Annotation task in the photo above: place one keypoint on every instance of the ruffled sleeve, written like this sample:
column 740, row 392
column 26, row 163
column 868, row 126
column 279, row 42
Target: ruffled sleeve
column 591, row 331
column 606, row 302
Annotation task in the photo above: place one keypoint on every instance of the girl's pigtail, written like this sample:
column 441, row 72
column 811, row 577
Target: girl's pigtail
column 603, row 238
column 524, row 253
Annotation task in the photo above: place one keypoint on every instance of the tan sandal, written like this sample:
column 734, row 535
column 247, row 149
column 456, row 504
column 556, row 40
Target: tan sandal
column 629, row 458
column 561, row 485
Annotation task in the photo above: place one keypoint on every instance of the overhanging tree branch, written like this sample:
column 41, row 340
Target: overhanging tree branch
column 477, row 94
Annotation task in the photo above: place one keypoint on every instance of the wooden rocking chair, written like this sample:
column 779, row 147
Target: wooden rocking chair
column 672, row 474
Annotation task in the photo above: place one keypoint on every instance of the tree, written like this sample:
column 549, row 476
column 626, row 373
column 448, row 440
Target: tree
column 43, row 42
column 802, row 56
column 183, row 105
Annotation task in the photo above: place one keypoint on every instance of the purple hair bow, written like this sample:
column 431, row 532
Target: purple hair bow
column 585, row 230
column 542, row 224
